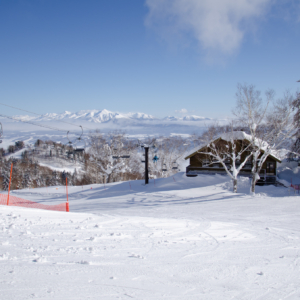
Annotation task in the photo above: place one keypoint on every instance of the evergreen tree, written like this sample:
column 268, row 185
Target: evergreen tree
column 5, row 175
column 26, row 183
column 54, row 179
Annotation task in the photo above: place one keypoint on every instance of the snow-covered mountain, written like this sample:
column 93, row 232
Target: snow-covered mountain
column 96, row 116
column 194, row 118
column 132, row 123
column 185, row 118
column 104, row 116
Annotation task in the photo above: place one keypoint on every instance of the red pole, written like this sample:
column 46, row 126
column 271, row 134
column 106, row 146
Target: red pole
column 9, row 183
column 67, row 204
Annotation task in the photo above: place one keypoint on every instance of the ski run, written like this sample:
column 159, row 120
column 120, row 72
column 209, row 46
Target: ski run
column 176, row 238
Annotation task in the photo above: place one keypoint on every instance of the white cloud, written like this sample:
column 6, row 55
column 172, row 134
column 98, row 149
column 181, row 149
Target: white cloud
column 216, row 24
column 182, row 111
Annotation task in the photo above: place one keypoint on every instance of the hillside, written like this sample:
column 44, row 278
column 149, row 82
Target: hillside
column 177, row 238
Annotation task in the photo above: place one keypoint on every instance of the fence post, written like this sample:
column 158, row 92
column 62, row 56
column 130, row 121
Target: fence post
column 9, row 183
column 67, row 204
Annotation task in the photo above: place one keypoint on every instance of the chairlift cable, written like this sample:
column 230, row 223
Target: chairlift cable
column 40, row 125
column 28, row 122
column 76, row 139
column 42, row 115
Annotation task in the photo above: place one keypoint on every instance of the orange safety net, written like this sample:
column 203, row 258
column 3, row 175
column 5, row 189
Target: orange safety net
column 15, row 201
column 296, row 186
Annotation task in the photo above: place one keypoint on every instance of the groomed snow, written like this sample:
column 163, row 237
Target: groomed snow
column 180, row 238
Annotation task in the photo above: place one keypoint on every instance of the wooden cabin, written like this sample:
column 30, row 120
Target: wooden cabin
column 201, row 163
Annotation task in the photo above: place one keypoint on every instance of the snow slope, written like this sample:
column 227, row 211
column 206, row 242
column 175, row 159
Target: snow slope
column 176, row 238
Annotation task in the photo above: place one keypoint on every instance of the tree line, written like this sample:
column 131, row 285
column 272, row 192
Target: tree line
column 107, row 158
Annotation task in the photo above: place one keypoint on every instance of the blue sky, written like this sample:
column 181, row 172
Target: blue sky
column 154, row 56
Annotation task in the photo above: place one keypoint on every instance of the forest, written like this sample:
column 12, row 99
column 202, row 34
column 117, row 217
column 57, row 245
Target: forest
column 107, row 158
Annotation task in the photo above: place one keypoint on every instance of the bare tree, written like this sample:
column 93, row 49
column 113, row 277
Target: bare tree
column 269, row 124
column 230, row 149
column 108, row 155
column 296, row 107
column 169, row 151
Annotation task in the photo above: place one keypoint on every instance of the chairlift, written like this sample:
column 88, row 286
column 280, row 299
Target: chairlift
column 74, row 141
column 125, row 156
column 164, row 169
column 155, row 159
column 175, row 166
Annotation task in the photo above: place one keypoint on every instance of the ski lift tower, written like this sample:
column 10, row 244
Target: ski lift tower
column 146, row 148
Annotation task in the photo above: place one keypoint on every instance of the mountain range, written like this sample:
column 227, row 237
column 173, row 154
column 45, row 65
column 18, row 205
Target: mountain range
column 135, row 124
column 104, row 116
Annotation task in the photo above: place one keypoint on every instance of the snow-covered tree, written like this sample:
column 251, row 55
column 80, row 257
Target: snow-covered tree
column 269, row 124
column 164, row 157
column 108, row 156
column 5, row 171
column 230, row 149
column 26, row 180
column 55, row 180
column 295, row 149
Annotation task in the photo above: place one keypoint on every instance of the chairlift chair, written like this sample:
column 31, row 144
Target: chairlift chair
column 175, row 166
column 164, row 169
column 74, row 141
column 155, row 159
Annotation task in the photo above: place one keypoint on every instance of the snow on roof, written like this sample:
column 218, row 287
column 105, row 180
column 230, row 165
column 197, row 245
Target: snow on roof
column 235, row 135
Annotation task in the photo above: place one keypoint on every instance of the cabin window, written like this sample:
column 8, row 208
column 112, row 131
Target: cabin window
column 248, row 165
column 271, row 167
column 205, row 163
column 227, row 160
